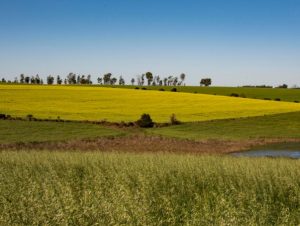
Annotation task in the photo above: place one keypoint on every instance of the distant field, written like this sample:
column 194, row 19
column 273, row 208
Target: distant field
column 43, row 188
column 113, row 104
column 285, row 125
column 290, row 95
column 26, row 131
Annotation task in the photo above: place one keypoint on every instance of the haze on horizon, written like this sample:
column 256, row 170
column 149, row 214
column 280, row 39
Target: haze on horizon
column 234, row 42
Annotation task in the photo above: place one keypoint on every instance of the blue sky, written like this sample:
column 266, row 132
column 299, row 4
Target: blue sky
column 235, row 42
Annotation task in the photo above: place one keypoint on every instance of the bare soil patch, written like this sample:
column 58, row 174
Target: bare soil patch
column 146, row 143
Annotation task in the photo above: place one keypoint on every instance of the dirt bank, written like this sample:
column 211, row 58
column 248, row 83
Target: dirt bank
column 143, row 143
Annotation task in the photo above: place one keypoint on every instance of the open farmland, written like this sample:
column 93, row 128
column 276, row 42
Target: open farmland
column 283, row 126
column 29, row 131
column 291, row 95
column 113, row 104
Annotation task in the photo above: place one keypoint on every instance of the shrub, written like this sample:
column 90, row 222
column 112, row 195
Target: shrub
column 174, row 120
column 136, row 88
column 29, row 117
column 145, row 121
column 243, row 95
column 161, row 89
column 144, row 88
column 296, row 101
column 267, row 98
column 234, row 95
column 2, row 116
column 277, row 99
column 174, row 90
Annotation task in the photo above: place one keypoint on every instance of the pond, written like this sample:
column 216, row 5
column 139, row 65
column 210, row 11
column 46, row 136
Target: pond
column 287, row 150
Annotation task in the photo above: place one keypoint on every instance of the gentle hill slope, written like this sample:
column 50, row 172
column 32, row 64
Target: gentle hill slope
column 290, row 95
column 113, row 104
column 282, row 126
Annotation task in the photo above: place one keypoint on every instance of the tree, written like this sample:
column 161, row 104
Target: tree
column 106, row 78
column 143, row 79
column 22, row 78
column 165, row 81
column 121, row 81
column 113, row 81
column 205, row 82
column 71, row 78
column 81, row 80
column 50, row 80
column 88, row 79
column 284, row 86
column 99, row 80
column 182, row 78
column 27, row 79
column 149, row 77
column 58, row 80
column 175, row 81
column 132, row 81
column 32, row 80
column 170, row 80
column 37, row 79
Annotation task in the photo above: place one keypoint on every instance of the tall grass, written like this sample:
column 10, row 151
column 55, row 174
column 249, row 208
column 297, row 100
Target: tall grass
column 146, row 189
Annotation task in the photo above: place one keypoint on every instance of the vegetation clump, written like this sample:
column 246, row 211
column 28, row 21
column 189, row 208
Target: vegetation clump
column 174, row 120
column 234, row 95
column 173, row 89
column 145, row 121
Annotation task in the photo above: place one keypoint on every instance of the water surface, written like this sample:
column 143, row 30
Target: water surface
column 287, row 150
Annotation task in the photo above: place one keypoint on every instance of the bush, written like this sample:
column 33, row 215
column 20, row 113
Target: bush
column 277, row 99
column 144, row 88
column 267, row 98
column 161, row 89
column 243, row 95
column 29, row 117
column 174, row 90
column 136, row 88
column 145, row 121
column 2, row 116
column 174, row 120
column 234, row 95
column 296, row 101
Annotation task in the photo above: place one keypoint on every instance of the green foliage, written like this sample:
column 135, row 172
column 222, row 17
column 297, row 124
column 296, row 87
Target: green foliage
column 174, row 120
column 205, row 82
column 145, row 121
column 41, row 188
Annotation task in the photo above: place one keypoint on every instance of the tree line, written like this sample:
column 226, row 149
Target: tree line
column 107, row 79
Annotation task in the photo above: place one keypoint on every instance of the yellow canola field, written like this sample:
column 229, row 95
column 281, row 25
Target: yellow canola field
column 113, row 104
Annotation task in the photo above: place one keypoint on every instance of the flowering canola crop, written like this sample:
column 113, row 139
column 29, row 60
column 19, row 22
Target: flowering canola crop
column 113, row 104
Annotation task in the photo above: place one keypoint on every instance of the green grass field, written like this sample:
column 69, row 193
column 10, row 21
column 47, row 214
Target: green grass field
column 112, row 104
column 271, row 126
column 285, row 125
column 113, row 189
column 257, row 93
column 30, row 131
